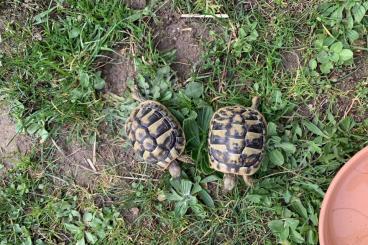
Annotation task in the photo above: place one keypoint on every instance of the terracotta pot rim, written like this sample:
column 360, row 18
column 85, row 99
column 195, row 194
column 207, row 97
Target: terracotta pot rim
column 348, row 167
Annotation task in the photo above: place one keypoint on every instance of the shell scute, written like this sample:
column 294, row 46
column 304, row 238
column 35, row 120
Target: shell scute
column 155, row 133
column 236, row 140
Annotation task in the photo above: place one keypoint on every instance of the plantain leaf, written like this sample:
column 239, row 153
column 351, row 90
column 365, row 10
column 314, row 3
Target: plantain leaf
column 358, row 12
column 206, row 198
column 276, row 157
column 314, row 129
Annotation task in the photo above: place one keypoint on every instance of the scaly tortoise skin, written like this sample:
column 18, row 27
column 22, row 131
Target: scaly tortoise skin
column 236, row 142
column 156, row 135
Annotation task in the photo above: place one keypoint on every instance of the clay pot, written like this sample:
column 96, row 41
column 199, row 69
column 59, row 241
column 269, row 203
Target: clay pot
column 343, row 218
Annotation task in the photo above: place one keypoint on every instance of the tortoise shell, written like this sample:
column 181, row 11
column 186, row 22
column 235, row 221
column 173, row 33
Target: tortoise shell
column 155, row 133
column 237, row 140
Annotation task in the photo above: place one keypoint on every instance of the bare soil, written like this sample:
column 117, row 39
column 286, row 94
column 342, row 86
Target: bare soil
column 136, row 4
column 185, row 36
column 290, row 60
column 104, row 163
column 346, row 104
column 347, row 84
column 116, row 69
column 12, row 145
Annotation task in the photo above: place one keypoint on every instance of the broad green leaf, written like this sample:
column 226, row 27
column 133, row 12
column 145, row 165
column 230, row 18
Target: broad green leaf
column 287, row 147
column 271, row 129
column 43, row 134
column 323, row 57
column 352, row 35
column 345, row 55
column 326, row 67
column 296, row 237
column 206, row 198
column 198, row 210
column 81, row 242
column 337, row 15
column 313, row 187
column 276, row 157
column 312, row 64
column 336, row 47
column 311, row 238
column 92, row 239
column 74, row 32
column 186, row 187
column 204, row 117
column 298, row 207
column 314, row 129
column 72, row 228
column 211, row 178
column 173, row 196
column 276, row 226
column 84, row 79
column 191, row 130
column 292, row 223
column 181, row 208
column 98, row 83
column 196, row 188
column 194, row 90
column 87, row 217
column 358, row 12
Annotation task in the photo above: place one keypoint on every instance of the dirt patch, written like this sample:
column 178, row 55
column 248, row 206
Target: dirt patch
column 182, row 35
column 348, row 82
column 116, row 69
column 347, row 102
column 290, row 60
column 15, row 15
column 106, row 162
column 12, row 145
column 136, row 4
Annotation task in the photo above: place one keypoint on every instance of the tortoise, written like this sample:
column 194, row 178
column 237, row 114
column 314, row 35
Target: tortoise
column 156, row 135
column 237, row 141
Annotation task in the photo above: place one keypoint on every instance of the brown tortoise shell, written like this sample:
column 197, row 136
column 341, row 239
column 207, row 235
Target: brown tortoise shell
column 237, row 140
column 155, row 133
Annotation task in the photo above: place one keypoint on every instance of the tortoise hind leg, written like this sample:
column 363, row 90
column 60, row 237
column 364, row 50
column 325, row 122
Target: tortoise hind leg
column 136, row 95
column 248, row 180
column 229, row 182
column 175, row 169
column 186, row 159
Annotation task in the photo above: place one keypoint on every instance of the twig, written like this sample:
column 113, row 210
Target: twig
column 94, row 151
column 133, row 178
column 203, row 16
column 91, row 164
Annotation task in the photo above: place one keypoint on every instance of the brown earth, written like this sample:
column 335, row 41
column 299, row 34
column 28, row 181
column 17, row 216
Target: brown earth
column 185, row 36
column 104, row 163
column 12, row 145
column 116, row 69
column 136, row 4
column 346, row 103
column 290, row 60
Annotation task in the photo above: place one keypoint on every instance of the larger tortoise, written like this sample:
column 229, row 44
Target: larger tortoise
column 237, row 142
column 156, row 135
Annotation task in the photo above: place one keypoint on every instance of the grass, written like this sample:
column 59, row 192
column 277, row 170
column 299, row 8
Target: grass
column 51, row 83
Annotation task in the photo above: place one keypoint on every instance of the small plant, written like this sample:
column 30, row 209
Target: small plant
column 342, row 25
column 185, row 194
column 330, row 54
column 247, row 34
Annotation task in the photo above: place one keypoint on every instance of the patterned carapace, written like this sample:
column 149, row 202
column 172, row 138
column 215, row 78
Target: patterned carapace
column 155, row 133
column 237, row 140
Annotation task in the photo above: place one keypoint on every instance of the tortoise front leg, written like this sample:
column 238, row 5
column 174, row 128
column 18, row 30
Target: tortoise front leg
column 248, row 180
column 229, row 182
column 175, row 169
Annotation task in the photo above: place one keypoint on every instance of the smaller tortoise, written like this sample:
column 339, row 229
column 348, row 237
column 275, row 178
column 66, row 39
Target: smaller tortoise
column 237, row 141
column 156, row 135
